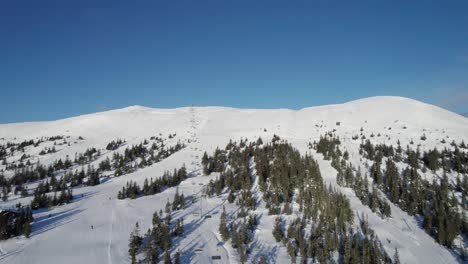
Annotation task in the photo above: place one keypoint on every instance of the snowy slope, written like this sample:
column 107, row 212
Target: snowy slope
column 66, row 236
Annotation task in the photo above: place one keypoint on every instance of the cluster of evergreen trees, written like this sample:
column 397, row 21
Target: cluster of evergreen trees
column 447, row 160
column 47, row 150
column 41, row 199
column 38, row 172
column 13, row 147
column 41, row 172
column 3, row 154
column 348, row 176
column 177, row 203
column 15, row 222
column 242, row 234
column 132, row 190
column 18, row 146
column 115, row 144
column 435, row 201
column 44, row 201
column 214, row 163
column 287, row 180
column 158, row 239
column 121, row 164
column 139, row 156
column 325, row 238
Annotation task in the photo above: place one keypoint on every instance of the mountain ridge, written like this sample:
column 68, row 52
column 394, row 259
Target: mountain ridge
column 382, row 120
column 376, row 100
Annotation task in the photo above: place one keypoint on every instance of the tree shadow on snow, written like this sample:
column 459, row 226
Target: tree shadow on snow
column 48, row 222
column 81, row 196
column 188, row 252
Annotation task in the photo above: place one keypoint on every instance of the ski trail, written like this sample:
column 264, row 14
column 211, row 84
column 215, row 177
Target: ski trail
column 2, row 252
column 109, row 245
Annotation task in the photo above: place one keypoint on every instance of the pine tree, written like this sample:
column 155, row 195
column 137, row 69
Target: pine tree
column 374, row 200
column 177, row 258
column 134, row 243
column 151, row 253
column 287, row 208
column 396, row 257
column 167, row 257
column 205, row 163
column 277, row 230
column 4, row 194
column 376, row 173
column 168, row 207
column 176, row 201
column 27, row 229
column 231, row 197
column 392, row 180
column 223, row 228
column 146, row 188
column 386, row 209
column 292, row 251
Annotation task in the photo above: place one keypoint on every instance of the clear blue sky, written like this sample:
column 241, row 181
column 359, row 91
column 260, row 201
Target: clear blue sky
column 65, row 58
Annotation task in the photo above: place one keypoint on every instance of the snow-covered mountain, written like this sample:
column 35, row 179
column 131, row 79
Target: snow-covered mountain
column 63, row 234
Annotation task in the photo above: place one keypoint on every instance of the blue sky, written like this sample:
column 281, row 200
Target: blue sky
column 65, row 58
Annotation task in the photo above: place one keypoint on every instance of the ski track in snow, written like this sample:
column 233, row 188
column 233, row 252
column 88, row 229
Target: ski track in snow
column 2, row 252
column 109, row 248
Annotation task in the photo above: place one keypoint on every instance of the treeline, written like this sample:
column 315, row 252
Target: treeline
column 434, row 201
column 448, row 160
column 15, row 222
column 348, row 176
column 42, row 200
column 132, row 190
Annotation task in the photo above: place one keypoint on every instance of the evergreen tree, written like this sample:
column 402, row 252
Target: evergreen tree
column 177, row 258
column 205, row 163
column 167, row 257
column 223, row 228
column 277, row 230
column 134, row 243
column 374, row 200
column 376, row 173
column 151, row 253
column 27, row 229
column 392, row 179
column 396, row 257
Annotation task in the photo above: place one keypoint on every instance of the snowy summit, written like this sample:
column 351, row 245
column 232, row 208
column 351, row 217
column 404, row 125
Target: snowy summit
column 224, row 184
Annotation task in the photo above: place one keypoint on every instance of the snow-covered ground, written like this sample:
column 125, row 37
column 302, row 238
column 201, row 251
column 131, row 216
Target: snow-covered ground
column 66, row 235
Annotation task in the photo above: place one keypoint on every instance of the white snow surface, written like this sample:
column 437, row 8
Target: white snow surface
column 66, row 236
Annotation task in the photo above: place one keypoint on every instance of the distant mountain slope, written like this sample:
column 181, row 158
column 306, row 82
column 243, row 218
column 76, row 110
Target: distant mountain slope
column 63, row 234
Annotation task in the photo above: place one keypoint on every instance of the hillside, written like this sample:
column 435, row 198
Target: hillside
column 95, row 227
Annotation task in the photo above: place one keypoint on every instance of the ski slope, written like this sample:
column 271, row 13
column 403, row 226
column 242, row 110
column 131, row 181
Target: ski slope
column 66, row 235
